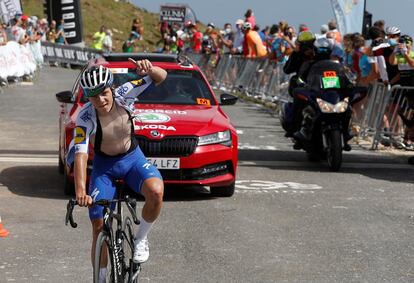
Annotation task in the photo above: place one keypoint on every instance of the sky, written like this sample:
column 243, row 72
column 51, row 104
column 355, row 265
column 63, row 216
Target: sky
column 314, row 13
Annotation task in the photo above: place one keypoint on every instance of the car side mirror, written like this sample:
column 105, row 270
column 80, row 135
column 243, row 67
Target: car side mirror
column 64, row 96
column 228, row 99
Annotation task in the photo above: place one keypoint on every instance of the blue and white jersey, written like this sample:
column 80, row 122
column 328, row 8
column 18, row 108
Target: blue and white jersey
column 86, row 122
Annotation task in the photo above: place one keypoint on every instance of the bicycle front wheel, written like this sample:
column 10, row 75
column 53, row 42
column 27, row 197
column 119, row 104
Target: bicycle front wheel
column 103, row 259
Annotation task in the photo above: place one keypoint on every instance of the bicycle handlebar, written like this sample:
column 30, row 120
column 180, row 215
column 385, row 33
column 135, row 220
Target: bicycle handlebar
column 131, row 204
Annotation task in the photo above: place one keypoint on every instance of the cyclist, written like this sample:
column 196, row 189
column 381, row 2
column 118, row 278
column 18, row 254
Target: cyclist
column 107, row 122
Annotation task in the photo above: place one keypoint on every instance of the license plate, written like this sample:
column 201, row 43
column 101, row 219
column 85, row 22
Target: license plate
column 331, row 82
column 165, row 163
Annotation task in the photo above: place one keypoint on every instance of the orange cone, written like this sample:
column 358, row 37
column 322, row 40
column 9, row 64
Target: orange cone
column 3, row 232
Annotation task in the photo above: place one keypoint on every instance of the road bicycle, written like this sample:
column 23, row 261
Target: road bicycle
column 116, row 245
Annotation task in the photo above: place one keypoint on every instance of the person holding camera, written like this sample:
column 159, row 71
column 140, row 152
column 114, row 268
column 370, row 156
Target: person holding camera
column 283, row 46
column 403, row 56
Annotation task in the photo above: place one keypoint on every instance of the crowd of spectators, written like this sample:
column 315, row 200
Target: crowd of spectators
column 382, row 55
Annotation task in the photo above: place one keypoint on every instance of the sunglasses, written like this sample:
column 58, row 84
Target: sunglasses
column 94, row 92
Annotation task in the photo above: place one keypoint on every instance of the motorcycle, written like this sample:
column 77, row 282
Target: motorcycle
column 326, row 98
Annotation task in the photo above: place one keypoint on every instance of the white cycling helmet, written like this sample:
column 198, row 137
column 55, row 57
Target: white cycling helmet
column 392, row 30
column 95, row 79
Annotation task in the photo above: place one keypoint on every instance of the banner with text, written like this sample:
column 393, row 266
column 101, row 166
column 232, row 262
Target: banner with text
column 173, row 14
column 70, row 12
column 67, row 54
column 349, row 15
column 9, row 9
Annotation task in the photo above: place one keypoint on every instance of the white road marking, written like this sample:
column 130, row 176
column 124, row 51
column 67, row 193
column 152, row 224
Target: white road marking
column 29, row 158
column 239, row 132
column 261, row 186
column 256, row 147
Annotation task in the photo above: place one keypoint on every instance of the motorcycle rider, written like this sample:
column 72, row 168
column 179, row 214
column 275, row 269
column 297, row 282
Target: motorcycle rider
column 304, row 51
column 310, row 51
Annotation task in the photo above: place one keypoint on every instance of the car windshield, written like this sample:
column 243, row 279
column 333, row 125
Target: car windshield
column 180, row 87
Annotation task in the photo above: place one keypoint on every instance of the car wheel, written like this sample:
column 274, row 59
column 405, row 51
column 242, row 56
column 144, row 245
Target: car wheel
column 226, row 191
column 68, row 186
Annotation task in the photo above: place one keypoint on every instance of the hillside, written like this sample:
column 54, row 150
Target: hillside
column 117, row 16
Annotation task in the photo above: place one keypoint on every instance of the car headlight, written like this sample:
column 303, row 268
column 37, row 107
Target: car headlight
column 327, row 107
column 219, row 137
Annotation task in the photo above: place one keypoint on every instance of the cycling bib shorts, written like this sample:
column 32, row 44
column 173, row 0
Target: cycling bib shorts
column 132, row 167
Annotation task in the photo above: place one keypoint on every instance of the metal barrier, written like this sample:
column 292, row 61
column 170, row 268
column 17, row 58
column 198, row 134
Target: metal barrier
column 259, row 78
column 381, row 114
column 377, row 116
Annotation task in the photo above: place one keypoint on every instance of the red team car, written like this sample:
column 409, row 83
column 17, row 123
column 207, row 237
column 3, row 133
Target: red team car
column 179, row 125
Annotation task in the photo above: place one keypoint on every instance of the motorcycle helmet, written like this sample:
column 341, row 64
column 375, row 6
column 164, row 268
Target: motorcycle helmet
column 306, row 36
column 95, row 79
column 324, row 45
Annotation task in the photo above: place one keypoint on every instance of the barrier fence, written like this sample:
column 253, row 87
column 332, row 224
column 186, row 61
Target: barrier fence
column 378, row 117
column 254, row 77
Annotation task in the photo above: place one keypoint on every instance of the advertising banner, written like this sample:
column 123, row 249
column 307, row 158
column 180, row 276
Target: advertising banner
column 349, row 15
column 67, row 54
column 70, row 11
column 8, row 9
column 173, row 14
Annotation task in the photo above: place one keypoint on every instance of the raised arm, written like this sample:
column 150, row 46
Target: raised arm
column 144, row 67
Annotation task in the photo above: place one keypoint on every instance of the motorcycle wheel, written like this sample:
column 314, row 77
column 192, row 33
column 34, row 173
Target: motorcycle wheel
column 334, row 150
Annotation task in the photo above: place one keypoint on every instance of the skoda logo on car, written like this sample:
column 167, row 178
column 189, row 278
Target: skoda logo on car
column 153, row 118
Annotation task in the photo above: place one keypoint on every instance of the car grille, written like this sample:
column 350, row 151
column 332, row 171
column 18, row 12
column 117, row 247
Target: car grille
column 167, row 147
column 209, row 171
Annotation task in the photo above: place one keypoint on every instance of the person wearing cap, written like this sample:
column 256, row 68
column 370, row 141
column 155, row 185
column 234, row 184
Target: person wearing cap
column 238, row 38
column 253, row 45
column 324, row 31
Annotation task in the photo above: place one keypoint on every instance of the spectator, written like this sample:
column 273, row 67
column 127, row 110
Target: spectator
column 107, row 41
column 51, row 35
column 303, row 27
column 238, row 38
column 393, row 35
column 226, row 38
column 129, row 44
column 43, row 29
column 98, row 38
column 272, row 36
column 138, row 27
column 324, row 31
column 196, row 38
column 212, row 37
column 333, row 30
column 403, row 57
column 253, row 46
column 164, row 31
column 19, row 30
column 348, row 51
column 380, row 24
column 264, row 34
column 283, row 46
column 60, row 35
column 249, row 18
column 3, row 35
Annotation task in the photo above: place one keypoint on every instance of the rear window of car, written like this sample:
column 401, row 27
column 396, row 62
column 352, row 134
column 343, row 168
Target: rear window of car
column 180, row 87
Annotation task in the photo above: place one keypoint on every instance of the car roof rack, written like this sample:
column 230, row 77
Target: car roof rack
column 155, row 57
